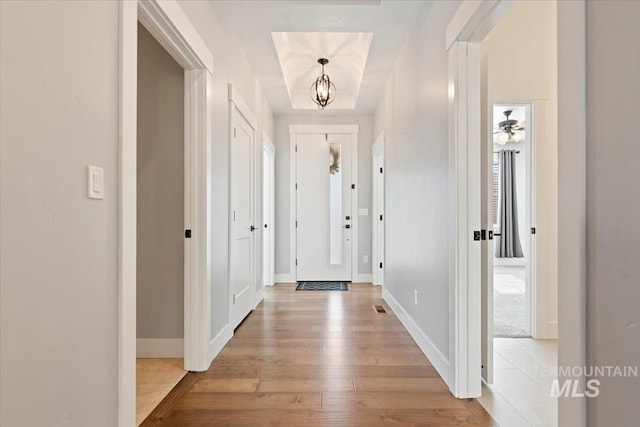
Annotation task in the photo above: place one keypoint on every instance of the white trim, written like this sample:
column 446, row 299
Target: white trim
column 363, row 278
column 474, row 19
column 377, row 191
column 572, row 200
column 127, row 219
column 218, row 342
column 294, row 130
column 284, row 278
column 160, row 348
column 166, row 21
column 429, row 349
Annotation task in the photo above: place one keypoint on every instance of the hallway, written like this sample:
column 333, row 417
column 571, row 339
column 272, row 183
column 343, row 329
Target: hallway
column 318, row 358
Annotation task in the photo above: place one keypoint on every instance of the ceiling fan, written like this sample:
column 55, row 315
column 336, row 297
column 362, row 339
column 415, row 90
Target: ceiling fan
column 510, row 130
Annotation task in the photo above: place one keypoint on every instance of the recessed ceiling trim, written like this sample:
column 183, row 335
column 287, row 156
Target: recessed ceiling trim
column 298, row 53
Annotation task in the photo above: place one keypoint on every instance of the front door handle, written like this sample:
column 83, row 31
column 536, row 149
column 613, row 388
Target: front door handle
column 346, row 226
column 252, row 228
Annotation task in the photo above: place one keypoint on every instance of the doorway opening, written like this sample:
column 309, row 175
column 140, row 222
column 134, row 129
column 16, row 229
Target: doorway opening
column 160, row 223
column 512, row 217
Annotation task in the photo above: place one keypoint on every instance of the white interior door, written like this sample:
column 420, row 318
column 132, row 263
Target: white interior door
column 323, row 201
column 486, row 221
column 268, row 204
column 242, row 226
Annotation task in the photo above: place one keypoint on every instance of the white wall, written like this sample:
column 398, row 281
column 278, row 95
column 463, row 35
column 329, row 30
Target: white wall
column 230, row 66
column 613, row 206
column 282, row 140
column 522, row 58
column 58, row 253
column 160, row 203
column 413, row 115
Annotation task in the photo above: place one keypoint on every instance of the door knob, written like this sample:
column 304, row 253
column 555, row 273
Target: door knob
column 346, row 226
column 252, row 228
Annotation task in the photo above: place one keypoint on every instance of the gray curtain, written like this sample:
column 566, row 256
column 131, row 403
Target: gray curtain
column 508, row 242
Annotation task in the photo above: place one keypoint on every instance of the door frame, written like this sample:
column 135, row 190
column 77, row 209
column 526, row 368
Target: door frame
column 166, row 21
column 377, row 232
column 294, row 130
column 269, row 149
column 236, row 102
column 467, row 28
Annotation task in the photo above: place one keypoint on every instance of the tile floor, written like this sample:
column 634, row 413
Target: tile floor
column 523, row 371
column 155, row 379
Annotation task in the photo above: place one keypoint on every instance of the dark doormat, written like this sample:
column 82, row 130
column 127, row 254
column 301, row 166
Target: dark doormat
column 322, row 286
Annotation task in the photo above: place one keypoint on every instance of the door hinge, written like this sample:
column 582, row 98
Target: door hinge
column 533, row 230
column 296, row 148
column 380, row 265
column 380, row 217
column 326, row 136
column 234, row 216
column 380, row 170
column 296, row 185
column 296, row 261
column 234, row 132
column 296, row 224
column 353, row 186
column 234, row 299
column 187, row 234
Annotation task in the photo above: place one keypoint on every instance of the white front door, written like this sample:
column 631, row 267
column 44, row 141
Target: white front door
column 242, row 226
column 324, row 217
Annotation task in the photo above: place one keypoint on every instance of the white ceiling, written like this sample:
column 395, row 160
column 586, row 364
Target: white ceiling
column 389, row 22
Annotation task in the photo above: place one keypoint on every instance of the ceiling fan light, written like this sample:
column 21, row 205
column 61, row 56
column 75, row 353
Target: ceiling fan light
column 517, row 137
column 503, row 138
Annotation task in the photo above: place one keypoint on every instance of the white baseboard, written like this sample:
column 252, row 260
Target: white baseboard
column 284, row 278
column 364, row 278
column 159, row 348
column 437, row 359
column 219, row 341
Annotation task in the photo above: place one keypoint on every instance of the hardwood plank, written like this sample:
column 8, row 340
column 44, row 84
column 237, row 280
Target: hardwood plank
column 317, row 384
column 250, row 401
column 380, row 400
column 424, row 385
column 226, row 385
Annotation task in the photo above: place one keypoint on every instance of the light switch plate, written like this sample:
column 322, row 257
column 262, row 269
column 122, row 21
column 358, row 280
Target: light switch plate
column 363, row 212
column 95, row 182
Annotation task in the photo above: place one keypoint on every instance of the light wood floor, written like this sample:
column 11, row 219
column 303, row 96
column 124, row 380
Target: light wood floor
column 154, row 380
column 318, row 358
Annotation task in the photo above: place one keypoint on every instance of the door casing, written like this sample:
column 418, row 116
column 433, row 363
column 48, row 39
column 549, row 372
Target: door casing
column 378, row 211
